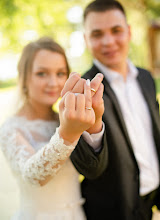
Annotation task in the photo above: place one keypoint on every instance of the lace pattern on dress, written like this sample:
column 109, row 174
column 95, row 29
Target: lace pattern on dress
column 31, row 165
column 47, row 161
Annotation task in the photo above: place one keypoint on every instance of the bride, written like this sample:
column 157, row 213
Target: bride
column 37, row 142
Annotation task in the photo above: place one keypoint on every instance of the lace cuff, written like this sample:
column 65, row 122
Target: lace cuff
column 47, row 161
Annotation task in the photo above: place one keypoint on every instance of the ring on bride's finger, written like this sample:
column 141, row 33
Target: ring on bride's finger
column 93, row 90
column 88, row 108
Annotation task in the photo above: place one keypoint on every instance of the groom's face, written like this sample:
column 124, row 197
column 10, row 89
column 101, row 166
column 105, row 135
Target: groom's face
column 107, row 36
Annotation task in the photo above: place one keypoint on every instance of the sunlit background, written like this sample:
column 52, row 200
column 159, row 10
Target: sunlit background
column 22, row 21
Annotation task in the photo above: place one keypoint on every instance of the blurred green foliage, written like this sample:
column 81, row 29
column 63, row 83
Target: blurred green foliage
column 157, row 82
column 8, row 83
column 50, row 18
column 45, row 17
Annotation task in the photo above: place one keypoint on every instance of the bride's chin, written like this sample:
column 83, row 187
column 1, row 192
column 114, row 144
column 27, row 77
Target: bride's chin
column 52, row 102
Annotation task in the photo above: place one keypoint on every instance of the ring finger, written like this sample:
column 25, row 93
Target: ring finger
column 95, row 83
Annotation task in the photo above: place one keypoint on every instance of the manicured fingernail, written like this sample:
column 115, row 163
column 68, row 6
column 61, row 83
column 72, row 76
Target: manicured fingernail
column 88, row 82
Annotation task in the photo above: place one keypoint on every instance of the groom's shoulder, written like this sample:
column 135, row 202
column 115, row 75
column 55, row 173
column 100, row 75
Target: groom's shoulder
column 90, row 73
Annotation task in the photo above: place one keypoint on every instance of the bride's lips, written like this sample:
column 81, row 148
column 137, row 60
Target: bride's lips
column 51, row 93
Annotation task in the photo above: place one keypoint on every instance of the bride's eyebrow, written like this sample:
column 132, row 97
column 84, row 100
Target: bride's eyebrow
column 42, row 67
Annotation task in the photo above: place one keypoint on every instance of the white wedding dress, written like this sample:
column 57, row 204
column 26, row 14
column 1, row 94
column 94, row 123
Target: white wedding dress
column 35, row 151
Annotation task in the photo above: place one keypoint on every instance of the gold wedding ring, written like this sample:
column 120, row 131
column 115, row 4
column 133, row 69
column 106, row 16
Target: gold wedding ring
column 88, row 108
column 93, row 90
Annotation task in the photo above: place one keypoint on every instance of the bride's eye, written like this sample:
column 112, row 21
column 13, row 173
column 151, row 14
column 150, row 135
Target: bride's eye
column 41, row 74
column 61, row 74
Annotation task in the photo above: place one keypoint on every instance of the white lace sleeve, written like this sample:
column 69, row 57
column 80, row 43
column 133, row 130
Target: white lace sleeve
column 33, row 166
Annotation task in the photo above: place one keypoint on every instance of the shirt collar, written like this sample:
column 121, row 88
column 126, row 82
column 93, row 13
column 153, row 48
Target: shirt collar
column 112, row 75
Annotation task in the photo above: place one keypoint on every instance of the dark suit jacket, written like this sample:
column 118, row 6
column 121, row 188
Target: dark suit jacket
column 115, row 194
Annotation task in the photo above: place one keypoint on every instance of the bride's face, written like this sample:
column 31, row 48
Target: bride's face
column 48, row 76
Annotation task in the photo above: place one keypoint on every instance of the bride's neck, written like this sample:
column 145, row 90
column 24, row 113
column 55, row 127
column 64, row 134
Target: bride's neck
column 34, row 111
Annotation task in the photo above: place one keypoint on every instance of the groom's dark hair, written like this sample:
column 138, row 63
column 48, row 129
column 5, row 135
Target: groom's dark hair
column 101, row 6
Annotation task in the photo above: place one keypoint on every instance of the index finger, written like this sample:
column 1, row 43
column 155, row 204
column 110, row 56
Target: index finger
column 70, row 83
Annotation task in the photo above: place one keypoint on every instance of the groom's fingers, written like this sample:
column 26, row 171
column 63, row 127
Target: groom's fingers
column 95, row 82
column 70, row 83
column 76, row 84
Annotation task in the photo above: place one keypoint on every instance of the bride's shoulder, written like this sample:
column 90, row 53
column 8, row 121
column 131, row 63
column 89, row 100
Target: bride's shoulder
column 10, row 130
column 12, row 122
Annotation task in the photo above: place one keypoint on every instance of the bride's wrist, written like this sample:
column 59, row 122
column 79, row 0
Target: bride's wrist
column 67, row 137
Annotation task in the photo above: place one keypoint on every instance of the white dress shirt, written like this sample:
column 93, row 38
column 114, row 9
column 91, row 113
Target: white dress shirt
column 138, row 122
column 94, row 140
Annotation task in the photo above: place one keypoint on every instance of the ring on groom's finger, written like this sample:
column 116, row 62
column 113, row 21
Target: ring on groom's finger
column 88, row 108
column 93, row 90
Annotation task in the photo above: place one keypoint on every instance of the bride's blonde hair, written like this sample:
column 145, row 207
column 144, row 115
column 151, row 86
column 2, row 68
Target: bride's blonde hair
column 26, row 61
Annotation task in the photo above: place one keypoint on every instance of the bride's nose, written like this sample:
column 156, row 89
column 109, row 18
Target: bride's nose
column 52, row 81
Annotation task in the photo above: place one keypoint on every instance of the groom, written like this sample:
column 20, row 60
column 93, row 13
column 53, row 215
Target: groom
column 129, row 186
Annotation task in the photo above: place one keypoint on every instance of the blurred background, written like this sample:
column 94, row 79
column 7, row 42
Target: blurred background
column 22, row 21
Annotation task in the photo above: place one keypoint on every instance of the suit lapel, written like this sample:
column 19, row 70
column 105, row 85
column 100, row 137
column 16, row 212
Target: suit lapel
column 109, row 92
column 114, row 100
column 148, row 97
column 145, row 87
column 120, row 118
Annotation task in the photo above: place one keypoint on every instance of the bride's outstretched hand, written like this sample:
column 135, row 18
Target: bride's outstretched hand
column 75, row 84
column 76, row 114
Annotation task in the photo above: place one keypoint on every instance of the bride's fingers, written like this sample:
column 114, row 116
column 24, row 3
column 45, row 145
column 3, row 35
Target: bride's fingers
column 80, row 105
column 69, row 103
column 62, row 102
column 72, row 73
column 70, row 83
column 79, row 86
